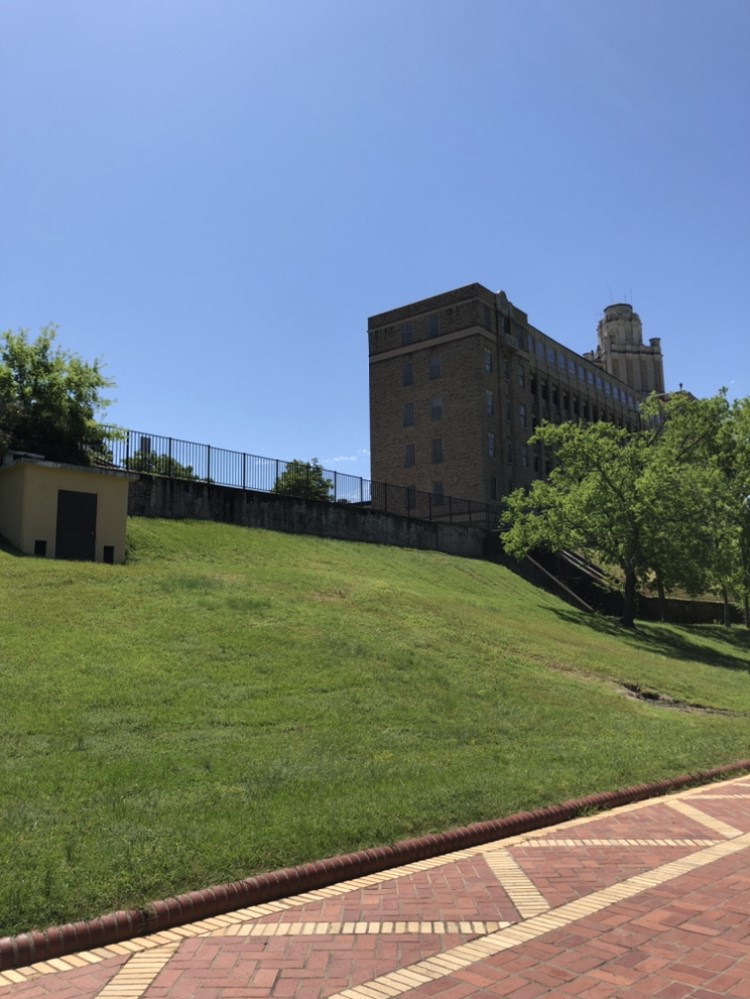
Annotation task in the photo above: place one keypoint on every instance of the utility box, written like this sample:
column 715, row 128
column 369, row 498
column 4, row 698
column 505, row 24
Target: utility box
column 54, row 510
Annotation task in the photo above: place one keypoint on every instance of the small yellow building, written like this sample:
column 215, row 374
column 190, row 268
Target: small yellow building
column 63, row 511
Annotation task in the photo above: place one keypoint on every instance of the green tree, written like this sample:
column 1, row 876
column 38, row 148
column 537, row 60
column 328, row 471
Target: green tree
column 305, row 479
column 159, row 464
column 645, row 501
column 730, row 564
column 49, row 399
column 683, row 488
column 589, row 501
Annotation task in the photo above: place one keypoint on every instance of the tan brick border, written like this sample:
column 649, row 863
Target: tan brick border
column 39, row 946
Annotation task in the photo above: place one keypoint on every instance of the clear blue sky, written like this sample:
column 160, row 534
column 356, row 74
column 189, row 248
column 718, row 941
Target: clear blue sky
column 213, row 195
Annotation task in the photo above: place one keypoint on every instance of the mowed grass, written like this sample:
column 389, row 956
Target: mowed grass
column 234, row 700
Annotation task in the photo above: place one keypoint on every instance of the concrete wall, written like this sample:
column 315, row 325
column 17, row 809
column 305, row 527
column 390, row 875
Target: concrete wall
column 151, row 496
column 28, row 504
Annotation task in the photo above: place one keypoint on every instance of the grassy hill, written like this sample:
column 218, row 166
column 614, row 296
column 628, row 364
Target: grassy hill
column 235, row 700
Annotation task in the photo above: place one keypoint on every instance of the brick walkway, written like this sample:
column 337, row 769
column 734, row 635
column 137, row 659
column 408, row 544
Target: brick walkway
column 652, row 899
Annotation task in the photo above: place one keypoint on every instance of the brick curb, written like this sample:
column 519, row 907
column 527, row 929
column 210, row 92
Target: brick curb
column 28, row 948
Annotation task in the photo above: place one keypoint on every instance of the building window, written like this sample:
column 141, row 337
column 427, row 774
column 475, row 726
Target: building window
column 491, row 445
column 409, row 414
column 551, row 355
column 436, row 410
column 525, row 455
column 486, row 315
column 409, row 456
column 522, row 413
column 434, row 365
column 407, row 334
column 489, row 402
column 438, row 495
column 598, row 383
column 521, row 377
column 437, row 450
column 581, row 373
column 572, row 368
column 488, row 360
column 560, row 361
column 607, row 389
column 590, row 377
column 539, row 349
column 507, row 410
column 506, row 369
column 529, row 343
column 433, row 325
column 408, row 373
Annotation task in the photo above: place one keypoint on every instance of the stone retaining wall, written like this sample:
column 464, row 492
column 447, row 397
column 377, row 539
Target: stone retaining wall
column 152, row 496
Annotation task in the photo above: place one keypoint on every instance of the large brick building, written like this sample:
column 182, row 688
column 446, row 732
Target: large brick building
column 459, row 381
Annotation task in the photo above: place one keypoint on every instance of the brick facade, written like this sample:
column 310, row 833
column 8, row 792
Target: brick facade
column 459, row 381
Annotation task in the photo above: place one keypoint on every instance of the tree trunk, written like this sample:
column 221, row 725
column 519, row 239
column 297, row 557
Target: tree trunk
column 628, row 604
column 662, row 599
column 747, row 609
column 727, row 608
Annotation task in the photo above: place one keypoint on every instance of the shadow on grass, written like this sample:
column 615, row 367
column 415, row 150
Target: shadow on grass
column 676, row 641
column 9, row 549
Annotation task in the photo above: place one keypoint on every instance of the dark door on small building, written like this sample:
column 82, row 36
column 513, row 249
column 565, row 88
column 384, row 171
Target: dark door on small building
column 76, row 525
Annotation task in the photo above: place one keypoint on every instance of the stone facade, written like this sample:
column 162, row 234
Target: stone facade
column 622, row 352
column 459, row 381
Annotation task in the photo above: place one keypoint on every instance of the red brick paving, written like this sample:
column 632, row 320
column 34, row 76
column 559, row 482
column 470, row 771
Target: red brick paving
column 684, row 937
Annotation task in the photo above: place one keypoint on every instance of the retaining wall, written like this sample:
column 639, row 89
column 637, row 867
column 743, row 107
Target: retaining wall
column 152, row 496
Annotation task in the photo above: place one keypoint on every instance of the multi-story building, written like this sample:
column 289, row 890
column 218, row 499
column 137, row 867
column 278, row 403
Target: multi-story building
column 458, row 382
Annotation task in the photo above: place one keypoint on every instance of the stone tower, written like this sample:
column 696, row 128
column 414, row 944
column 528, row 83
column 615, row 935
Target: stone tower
column 622, row 352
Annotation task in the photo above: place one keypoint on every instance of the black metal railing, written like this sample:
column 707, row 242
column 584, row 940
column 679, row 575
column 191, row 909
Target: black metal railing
column 154, row 454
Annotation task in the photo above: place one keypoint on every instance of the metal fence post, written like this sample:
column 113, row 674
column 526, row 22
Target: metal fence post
column 244, row 466
column 208, row 462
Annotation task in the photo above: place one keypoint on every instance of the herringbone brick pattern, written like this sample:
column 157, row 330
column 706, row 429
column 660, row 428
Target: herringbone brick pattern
column 650, row 900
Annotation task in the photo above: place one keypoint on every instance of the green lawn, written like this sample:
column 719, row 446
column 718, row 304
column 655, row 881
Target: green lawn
column 234, row 700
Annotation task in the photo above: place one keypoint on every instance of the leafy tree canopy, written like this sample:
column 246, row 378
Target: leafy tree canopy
column 159, row 464
column 305, row 479
column 49, row 398
column 655, row 503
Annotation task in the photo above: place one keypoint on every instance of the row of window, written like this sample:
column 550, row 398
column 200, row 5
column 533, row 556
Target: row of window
column 585, row 412
column 592, row 380
column 436, row 409
column 407, row 329
column 574, row 369
column 407, row 376
column 410, row 453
